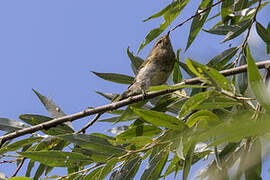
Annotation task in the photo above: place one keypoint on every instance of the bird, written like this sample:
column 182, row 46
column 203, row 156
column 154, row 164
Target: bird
column 154, row 71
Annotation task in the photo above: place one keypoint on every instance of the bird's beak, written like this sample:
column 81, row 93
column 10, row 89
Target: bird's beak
column 167, row 35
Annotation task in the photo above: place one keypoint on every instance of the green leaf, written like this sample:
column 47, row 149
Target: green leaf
column 29, row 168
column 147, row 130
column 10, row 125
column 199, row 21
column 169, row 14
column 254, row 161
column 93, row 175
column 118, row 118
column 177, row 76
column 20, row 144
column 193, row 102
column 109, row 96
column 33, row 119
column 117, row 78
column 105, row 170
column 155, row 164
column 226, row 9
column 160, row 119
column 241, row 27
column 94, row 143
column 40, row 170
column 205, row 72
column 263, row 33
column 223, row 58
column 136, row 61
column 188, row 162
column 185, row 67
column 256, row 83
column 51, row 107
column 218, row 101
column 56, row 158
column 205, row 119
column 129, row 169
column 240, row 4
column 242, row 78
column 223, row 30
column 20, row 178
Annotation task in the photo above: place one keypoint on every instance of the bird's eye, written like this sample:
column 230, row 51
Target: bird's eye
column 160, row 41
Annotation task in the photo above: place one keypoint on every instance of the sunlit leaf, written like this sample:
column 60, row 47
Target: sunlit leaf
column 256, row 83
column 206, row 119
column 117, row 78
column 160, row 119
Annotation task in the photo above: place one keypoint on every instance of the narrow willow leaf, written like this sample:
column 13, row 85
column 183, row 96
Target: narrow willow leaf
column 93, row 175
column 105, row 170
column 109, row 96
column 171, row 12
column 240, row 4
column 29, row 168
column 223, row 58
column 40, row 170
column 241, row 27
column 33, row 119
column 20, row 144
column 222, row 30
column 185, row 67
column 216, row 79
column 177, row 76
column 198, row 21
column 226, row 8
column 10, row 125
column 136, row 61
column 160, row 119
column 254, row 161
column 154, row 163
column 117, row 78
column 206, row 119
column 193, row 102
column 148, row 130
column 242, row 78
column 256, row 83
column 263, row 33
column 129, row 169
column 188, row 162
column 56, row 158
column 51, row 107
column 94, row 143
column 159, row 168
column 172, row 166
column 20, row 178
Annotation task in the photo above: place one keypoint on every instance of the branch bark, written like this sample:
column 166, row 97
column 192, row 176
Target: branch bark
column 116, row 105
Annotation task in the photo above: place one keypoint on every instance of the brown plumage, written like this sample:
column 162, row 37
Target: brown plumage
column 155, row 70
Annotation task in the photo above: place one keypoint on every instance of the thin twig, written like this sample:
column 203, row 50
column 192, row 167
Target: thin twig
column 19, row 167
column 89, row 124
column 116, row 105
column 197, row 14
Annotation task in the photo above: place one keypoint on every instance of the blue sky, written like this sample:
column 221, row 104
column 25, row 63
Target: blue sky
column 53, row 45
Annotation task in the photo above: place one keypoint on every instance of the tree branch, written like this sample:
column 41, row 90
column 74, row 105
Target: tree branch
column 116, row 105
